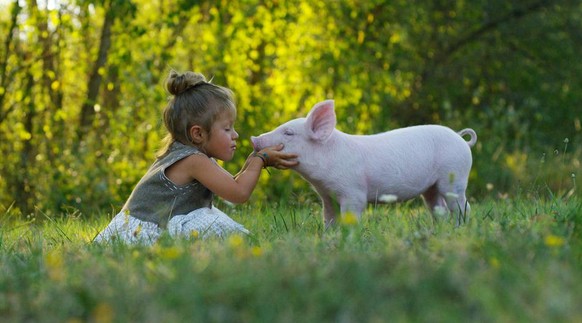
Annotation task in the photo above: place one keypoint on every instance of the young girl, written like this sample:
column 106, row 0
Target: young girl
column 176, row 192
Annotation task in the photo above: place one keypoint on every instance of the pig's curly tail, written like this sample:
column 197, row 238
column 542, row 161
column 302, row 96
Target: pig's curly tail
column 470, row 132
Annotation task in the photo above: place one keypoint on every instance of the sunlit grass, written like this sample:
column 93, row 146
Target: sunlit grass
column 514, row 260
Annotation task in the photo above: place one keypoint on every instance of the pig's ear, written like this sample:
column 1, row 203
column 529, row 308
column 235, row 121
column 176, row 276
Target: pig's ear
column 321, row 121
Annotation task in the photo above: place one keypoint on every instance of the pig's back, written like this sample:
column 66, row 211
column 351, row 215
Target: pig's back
column 406, row 161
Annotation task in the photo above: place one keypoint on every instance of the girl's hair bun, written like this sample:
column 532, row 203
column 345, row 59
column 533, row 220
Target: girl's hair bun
column 178, row 83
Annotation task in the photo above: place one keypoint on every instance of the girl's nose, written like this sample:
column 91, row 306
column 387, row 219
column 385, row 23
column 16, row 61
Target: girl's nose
column 235, row 135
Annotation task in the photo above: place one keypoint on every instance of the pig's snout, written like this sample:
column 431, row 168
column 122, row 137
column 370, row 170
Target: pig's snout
column 256, row 143
column 262, row 142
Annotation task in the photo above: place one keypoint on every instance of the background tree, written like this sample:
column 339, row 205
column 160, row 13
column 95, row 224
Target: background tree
column 81, row 85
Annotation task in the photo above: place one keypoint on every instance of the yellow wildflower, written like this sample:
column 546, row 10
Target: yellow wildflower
column 349, row 219
column 256, row 251
column 126, row 216
column 54, row 263
column 554, row 241
column 170, row 253
column 494, row 262
column 235, row 241
column 137, row 231
column 102, row 313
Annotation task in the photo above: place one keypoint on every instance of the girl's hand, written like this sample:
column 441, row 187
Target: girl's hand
column 274, row 157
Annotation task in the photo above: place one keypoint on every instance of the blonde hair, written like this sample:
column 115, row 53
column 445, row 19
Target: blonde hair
column 193, row 101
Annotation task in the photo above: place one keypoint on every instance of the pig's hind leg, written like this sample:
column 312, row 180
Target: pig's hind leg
column 448, row 198
column 434, row 201
column 459, row 207
column 454, row 195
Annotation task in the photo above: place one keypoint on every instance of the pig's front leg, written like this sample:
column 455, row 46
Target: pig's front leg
column 328, row 209
column 354, row 204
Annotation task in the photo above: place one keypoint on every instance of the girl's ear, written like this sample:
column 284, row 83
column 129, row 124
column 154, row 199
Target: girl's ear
column 197, row 134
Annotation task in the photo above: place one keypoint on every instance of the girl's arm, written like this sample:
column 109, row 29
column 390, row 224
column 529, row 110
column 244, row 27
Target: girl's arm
column 274, row 158
column 236, row 189
column 247, row 162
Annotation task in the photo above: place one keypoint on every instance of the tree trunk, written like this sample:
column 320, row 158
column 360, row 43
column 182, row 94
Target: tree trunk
column 23, row 186
column 4, row 61
column 95, row 79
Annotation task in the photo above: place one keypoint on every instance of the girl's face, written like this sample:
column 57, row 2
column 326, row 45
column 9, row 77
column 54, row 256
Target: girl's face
column 222, row 143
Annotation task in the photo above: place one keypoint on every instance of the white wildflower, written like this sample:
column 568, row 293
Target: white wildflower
column 440, row 211
column 451, row 195
column 388, row 198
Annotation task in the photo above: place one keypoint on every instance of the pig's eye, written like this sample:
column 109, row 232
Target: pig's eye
column 288, row 132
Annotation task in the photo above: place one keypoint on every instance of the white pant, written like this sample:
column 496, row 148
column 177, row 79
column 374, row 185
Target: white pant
column 202, row 223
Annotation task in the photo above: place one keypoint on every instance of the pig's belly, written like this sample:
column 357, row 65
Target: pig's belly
column 400, row 195
column 402, row 190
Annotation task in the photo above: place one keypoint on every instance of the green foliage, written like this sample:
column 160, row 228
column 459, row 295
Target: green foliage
column 516, row 260
column 81, row 85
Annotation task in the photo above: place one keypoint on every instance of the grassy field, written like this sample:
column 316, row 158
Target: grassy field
column 517, row 260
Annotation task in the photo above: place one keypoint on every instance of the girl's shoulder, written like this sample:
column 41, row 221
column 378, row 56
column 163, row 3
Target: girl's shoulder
column 178, row 146
column 190, row 168
column 178, row 151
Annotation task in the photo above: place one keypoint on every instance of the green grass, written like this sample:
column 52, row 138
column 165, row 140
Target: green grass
column 517, row 260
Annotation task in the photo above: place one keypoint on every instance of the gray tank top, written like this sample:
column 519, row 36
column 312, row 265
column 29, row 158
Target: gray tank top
column 157, row 199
